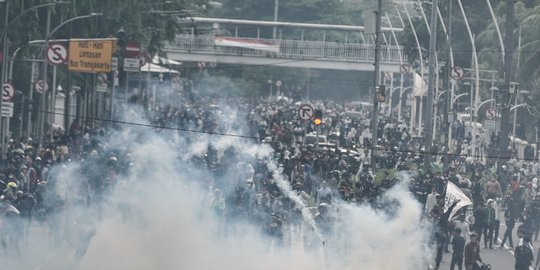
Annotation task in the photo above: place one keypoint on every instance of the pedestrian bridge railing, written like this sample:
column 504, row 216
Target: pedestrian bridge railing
column 297, row 49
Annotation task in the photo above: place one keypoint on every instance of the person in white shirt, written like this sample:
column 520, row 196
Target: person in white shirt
column 431, row 201
column 462, row 223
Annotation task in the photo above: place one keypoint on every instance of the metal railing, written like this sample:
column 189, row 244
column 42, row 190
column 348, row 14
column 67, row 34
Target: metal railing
column 319, row 50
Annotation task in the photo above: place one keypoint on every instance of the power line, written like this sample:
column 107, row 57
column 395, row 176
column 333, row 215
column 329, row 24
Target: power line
column 241, row 136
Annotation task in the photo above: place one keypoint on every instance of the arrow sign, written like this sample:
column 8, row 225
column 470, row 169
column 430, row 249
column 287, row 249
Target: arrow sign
column 305, row 111
column 56, row 54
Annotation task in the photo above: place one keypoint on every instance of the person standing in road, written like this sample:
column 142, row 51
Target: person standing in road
column 510, row 221
column 458, row 246
column 493, row 188
column 490, row 224
column 472, row 252
column 431, row 201
column 480, row 220
column 524, row 254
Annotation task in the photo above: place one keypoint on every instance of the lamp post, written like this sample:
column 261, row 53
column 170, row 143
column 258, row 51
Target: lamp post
column 45, row 65
column 457, row 97
column 516, row 105
column 401, row 63
column 5, row 72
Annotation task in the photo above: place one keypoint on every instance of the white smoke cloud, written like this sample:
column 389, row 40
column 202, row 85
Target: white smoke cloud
column 158, row 218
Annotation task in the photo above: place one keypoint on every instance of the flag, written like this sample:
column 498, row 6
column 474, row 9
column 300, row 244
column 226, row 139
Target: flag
column 454, row 193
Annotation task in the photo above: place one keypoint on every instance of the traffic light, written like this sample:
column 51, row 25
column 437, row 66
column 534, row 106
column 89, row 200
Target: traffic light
column 381, row 93
column 317, row 117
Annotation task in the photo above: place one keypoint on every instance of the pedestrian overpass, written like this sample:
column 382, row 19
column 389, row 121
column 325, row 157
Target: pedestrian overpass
column 215, row 47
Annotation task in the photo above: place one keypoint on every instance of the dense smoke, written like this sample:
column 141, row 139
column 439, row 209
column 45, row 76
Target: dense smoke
column 158, row 216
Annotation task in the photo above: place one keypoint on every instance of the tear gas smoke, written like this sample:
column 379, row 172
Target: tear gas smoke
column 159, row 215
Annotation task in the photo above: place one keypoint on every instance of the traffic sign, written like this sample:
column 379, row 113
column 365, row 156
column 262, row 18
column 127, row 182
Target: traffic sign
column 57, row 54
column 490, row 124
column 278, row 83
column 131, row 64
column 116, row 79
column 114, row 64
column 490, row 114
column 457, row 73
column 102, row 77
column 101, row 87
column 405, row 68
column 41, row 86
column 305, row 111
column 8, row 92
column 7, row 109
column 133, row 50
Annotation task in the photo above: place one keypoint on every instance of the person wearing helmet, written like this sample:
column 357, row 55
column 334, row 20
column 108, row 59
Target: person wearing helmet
column 9, row 191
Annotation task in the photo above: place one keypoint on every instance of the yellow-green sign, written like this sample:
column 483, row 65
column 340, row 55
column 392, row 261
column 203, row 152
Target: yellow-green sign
column 90, row 56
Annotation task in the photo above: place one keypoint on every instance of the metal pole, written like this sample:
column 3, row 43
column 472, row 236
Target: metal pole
column 376, row 81
column 31, row 97
column 499, row 35
column 276, row 11
column 53, row 103
column 477, row 74
column 505, row 91
column 431, row 84
column 514, row 122
column 44, row 78
column 3, row 76
column 112, row 95
column 446, row 80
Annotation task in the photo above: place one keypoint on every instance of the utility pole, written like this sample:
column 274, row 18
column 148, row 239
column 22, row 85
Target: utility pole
column 42, row 107
column 446, row 81
column 376, row 81
column 505, row 90
column 431, row 85
column 276, row 11
column 4, row 134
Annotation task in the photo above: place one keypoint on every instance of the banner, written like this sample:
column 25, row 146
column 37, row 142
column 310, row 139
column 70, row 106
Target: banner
column 254, row 44
column 90, row 56
column 454, row 193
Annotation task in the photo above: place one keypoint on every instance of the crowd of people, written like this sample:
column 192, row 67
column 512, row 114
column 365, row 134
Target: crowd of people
column 339, row 168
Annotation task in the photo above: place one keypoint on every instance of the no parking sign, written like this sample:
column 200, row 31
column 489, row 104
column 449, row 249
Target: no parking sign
column 57, row 54
column 41, row 86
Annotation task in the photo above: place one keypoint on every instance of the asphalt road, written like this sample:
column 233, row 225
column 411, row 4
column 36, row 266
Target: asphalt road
column 500, row 258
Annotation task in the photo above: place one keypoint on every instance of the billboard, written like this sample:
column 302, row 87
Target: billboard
column 90, row 56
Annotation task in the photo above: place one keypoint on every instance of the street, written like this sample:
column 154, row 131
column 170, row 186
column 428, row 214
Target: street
column 499, row 257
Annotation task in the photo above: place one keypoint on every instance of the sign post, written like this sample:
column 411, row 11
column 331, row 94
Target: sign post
column 305, row 111
column 8, row 92
column 457, row 73
column 41, row 86
column 56, row 54
column 90, row 56
column 405, row 68
column 7, row 109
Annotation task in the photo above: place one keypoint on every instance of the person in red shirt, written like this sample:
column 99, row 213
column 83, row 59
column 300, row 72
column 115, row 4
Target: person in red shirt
column 472, row 252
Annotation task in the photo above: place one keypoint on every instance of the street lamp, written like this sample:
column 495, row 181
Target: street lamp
column 457, row 97
column 44, row 74
column 4, row 37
